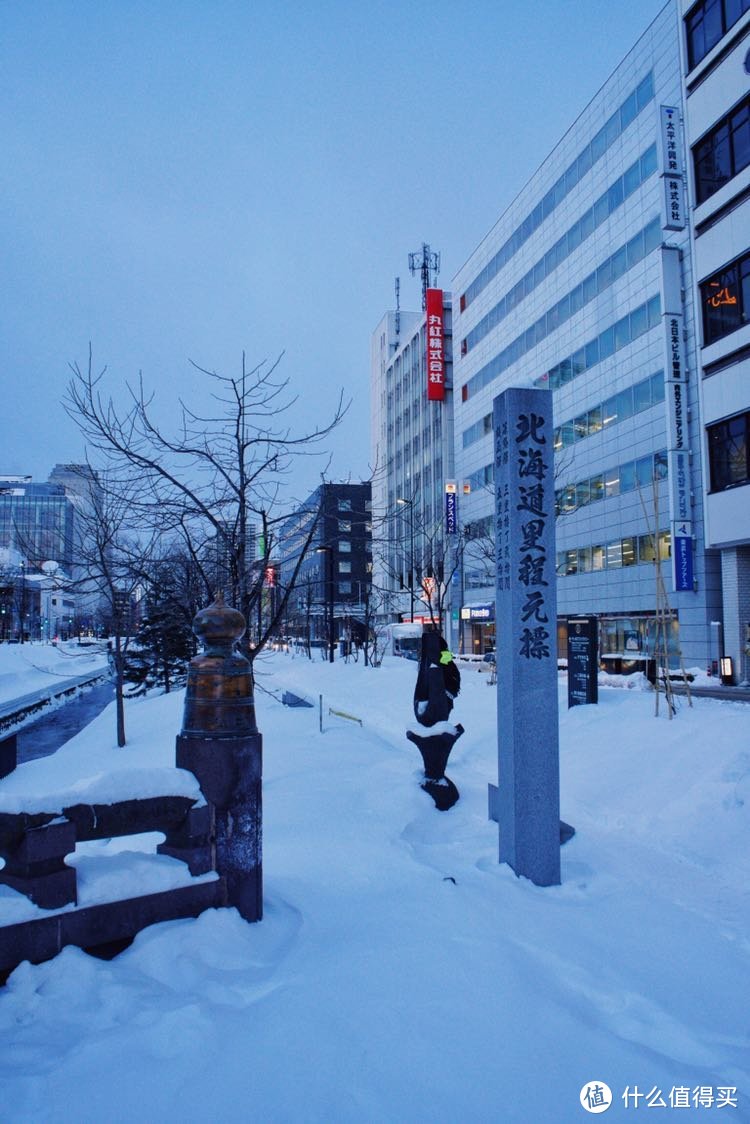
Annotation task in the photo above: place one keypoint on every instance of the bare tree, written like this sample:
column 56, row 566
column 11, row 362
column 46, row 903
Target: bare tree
column 9, row 589
column 424, row 564
column 113, row 557
column 216, row 481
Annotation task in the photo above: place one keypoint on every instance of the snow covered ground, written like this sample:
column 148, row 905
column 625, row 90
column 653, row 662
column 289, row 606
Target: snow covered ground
column 400, row 974
column 25, row 668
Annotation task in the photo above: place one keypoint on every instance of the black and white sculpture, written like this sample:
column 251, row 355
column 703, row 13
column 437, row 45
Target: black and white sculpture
column 438, row 683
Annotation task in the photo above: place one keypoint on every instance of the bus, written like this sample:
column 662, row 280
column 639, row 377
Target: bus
column 406, row 640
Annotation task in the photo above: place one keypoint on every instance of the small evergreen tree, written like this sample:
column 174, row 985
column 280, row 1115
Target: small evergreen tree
column 162, row 648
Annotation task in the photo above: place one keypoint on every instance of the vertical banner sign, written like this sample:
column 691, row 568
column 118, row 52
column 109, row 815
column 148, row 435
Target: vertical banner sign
column 673, row 209
column 676, row 404
column 526, row 802
column 583, row 662
column 435, row 341
column 451, row 507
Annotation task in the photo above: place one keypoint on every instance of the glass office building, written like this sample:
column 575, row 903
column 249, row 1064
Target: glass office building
column 583, row 288
column 37, row 521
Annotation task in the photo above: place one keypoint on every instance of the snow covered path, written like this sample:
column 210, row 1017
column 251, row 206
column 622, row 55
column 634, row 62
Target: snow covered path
column 400, row 973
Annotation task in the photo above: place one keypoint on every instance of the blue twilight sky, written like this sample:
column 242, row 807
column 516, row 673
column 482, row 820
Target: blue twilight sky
column 185, row 180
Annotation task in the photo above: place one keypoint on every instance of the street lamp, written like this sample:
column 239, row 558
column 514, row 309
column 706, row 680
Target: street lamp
column 22, row 613
column 327, row 550
column 410, row 505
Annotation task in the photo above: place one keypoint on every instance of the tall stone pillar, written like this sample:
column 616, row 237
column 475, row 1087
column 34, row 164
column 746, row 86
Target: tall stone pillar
column 221, row 745
column 526, row 801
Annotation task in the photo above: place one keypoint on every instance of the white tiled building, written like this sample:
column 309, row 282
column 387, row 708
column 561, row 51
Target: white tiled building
column 584, row 286
column 412, row 450
column 715, row 39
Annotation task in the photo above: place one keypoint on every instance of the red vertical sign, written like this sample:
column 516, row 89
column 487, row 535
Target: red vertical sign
column 435, row 354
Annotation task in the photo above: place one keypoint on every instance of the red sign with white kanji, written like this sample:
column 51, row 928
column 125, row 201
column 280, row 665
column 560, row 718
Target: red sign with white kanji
column 435, row 342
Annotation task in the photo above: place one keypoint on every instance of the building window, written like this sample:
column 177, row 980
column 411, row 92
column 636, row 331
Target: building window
column 345, row 567
column 725, row 298
column 605, row 275
column 594, row 150
column 707, row 22
column 728, row 453
column 629, row 554
column 344, row 587
column 345, row 546
column 723, row 153
column 646, row 548
column 345, row 505
column 345, row 525
column 614, row 554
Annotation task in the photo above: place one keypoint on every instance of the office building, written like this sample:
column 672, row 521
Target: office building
column 583, row 287
column 324, row 553
column 37, row 521
column 414, row 488
column 715, row 42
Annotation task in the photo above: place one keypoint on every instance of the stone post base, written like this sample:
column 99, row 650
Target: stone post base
column 229, row 771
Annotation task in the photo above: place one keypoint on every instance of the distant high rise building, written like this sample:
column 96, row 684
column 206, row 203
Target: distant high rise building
column 80, row 481
column 37, row 520
column 42, row 524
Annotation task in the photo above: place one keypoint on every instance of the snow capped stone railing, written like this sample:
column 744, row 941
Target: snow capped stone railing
column 35, row 846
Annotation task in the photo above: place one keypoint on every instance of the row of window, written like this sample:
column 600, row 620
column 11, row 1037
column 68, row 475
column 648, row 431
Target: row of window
column 482, row 478
column 725, row 298
column 615, row 481
column 632, row 400
column 605, row 206
column 475, row 432
column 723, row 152
column 629, row 551
column 346, row 505
column 604, row 139
column 403, row 423
column 707, row 22
column 571, row 303
column 401, row 380
column 618, row 335
column 479, row 528
column 729, row 452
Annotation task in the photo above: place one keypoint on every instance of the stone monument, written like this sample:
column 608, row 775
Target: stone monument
column 526, row 801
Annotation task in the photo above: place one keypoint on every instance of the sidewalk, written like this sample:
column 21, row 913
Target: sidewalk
column 730, row 694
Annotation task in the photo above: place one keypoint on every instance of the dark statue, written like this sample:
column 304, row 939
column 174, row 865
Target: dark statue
column 221, row 745
column 438, row 683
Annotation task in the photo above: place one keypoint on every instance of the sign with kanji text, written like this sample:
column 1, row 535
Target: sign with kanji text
column 527, row 799
column 451, row 508
column 682, row 556
column 435, row 345
column 671, row 141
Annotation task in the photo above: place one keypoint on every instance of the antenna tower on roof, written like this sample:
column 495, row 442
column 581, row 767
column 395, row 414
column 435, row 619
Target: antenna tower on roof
column 426, row 262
